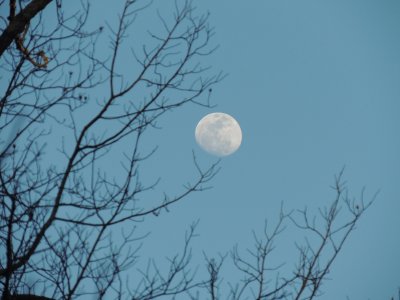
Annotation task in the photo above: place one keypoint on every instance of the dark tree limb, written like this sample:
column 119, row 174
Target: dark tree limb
column 18, row 23
column 70, row 223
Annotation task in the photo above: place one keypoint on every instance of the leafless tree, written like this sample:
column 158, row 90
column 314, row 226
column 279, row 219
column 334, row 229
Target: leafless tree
column 325, row 236
column 67, row 226
column 60, row 219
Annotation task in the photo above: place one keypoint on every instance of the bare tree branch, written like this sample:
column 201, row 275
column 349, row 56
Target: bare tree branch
column 59, row 221
column 19, row 22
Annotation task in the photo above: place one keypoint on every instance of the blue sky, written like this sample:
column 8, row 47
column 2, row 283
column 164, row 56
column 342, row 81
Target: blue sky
column 315, row 87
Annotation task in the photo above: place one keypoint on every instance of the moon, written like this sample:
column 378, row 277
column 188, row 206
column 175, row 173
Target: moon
column 218, row 134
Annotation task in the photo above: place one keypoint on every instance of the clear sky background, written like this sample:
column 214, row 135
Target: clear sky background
column 315, row 87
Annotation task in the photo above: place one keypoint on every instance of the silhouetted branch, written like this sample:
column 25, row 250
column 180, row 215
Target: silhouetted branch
column 326, row 235
column 18, row 23
column 61, row 216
